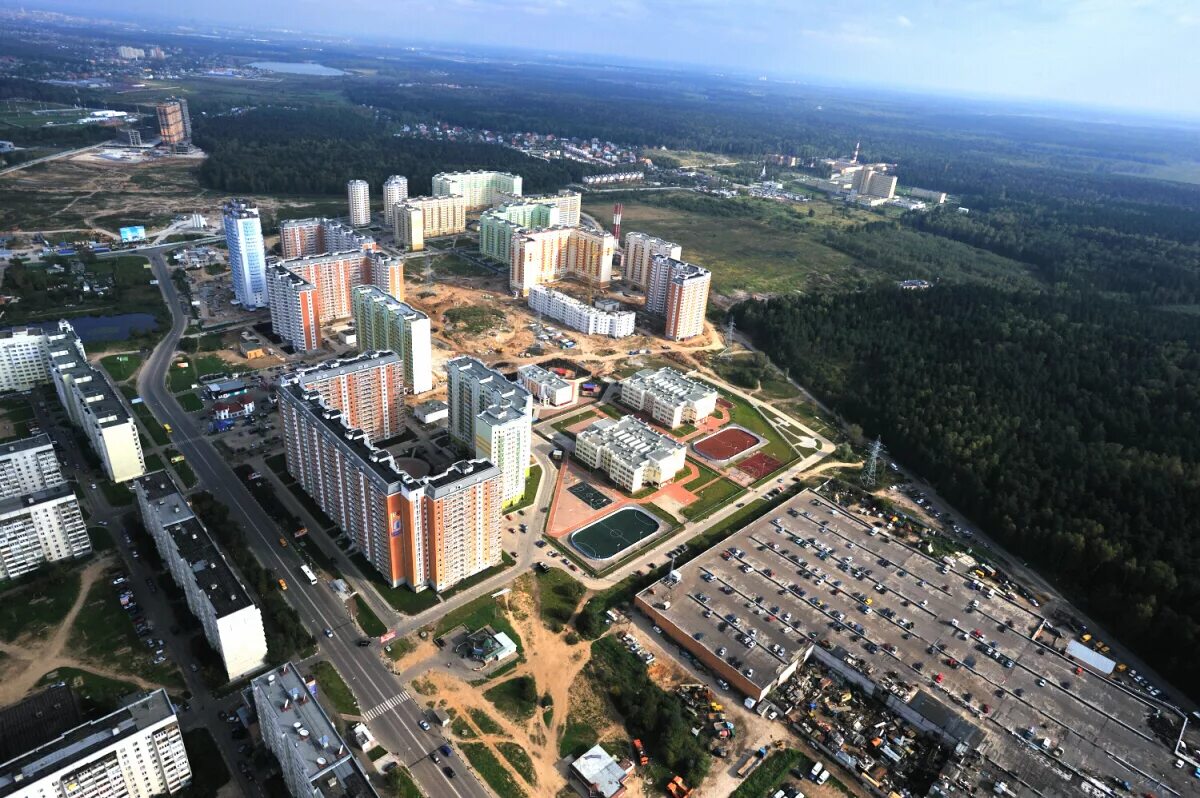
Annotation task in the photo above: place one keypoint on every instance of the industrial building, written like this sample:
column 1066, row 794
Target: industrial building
column 425, row 532
column 640, row 249
column 668, row 397
column 314, row 760
column 247, row 257
column 418, row 218
column 368, row 390
column 494, row 417
column 383, row 323
column 358, row 202
column 546, row 386
column 231, row 621
column 478, row 189
column 678, row 291
column 580, row 316
column 925, row 636
column 631, row 453
column 135, row 752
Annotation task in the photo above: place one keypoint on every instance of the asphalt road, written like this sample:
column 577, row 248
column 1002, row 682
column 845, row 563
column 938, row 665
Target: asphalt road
column 367, row 676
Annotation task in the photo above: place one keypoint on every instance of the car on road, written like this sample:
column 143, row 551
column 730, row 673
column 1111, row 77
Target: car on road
column 424, row 724
column 449, row 771
column 436, row 759
column 446, row 750
column 283, row 584
column 93, row 486
column 195, row 668
column 328, row 632
column 366, row 641
column 283, row 542
column 102, row 523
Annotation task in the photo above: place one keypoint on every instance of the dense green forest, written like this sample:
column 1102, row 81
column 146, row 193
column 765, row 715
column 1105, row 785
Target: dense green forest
column 1064, row 424
column 317, row 151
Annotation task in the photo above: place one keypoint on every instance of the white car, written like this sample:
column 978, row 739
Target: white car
column 424, row 725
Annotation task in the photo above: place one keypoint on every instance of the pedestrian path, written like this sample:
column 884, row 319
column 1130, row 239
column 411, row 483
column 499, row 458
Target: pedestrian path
column 387, row 706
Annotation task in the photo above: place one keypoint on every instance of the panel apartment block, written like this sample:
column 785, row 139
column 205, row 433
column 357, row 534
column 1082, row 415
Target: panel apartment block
column 385, row 323
column 395, row 191
column 41, row 526
column 549, row 255
column 640, row 249
column 318, row 235
column 231, row 621
column 427, row 532
column 135, row 752
column 358, row 201
column 579, row 316
column 419, row 218
column 368, row 389
column 25, row 355
column 678, row 291
column 478, row 189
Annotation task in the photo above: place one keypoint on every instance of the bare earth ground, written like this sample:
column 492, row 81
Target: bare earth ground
column 29, row 660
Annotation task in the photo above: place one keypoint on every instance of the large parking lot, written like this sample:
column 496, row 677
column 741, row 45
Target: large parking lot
column 812, row 574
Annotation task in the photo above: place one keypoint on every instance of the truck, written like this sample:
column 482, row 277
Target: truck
column 167, row 427
column 640, row 753
column 752, row 761
column 221, row 425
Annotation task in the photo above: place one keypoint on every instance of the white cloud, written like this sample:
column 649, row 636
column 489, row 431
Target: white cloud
column 904, row 21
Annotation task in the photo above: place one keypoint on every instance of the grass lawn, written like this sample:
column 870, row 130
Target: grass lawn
column 531, row 488
column 712, row 497
column 368, row 621
column 612, row 411
column 209, row 773
column 474, row 319
column 704, row 476
column 481, row 612
column 121, row 367
column 505, row 562
column 335, row 689
column 101, row 539
column 399, row 648
column 518, row 757
column 494, row 773
column 153, row 463
column 198, row 366
column 559, row 596
column 99, row 693
column 578, row 736
column 484, row 721
column 278, row 464
column 661, row 513
column 768, row 776
column 401, row 599
column 452, row 264
column 570, row 421
column 190, row 402
column 37, row 605
column 400, row 784
column 748, row 416
column 185, row 473
column 103, row 633
column 153, row 428
column 116, row 493
column 516, row 698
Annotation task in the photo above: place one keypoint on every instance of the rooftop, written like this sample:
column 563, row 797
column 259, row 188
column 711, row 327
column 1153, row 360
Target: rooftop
column 16, row 504
column 631, row 439
column 381, row 297
column 668, row 384
column 331, row 369
column 543, row 376
column 82, row 741
column 25, row 444
column 38, row 719
column 597, row 768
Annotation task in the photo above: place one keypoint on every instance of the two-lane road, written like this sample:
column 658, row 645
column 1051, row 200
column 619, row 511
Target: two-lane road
column 396, row 724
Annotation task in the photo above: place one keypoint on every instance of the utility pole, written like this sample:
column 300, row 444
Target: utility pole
column 870, row 474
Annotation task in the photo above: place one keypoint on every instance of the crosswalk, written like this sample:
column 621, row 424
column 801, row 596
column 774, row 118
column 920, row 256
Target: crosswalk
column 393, row 702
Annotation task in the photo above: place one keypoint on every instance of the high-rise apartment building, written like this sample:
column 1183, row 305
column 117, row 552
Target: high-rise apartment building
column 247, row 257
column 317, row 236
column 314, row 760
column 395, row 191
column 678, row 291
column 25, row 354
column 478, row 189
column 579, row 316
column 874, row 183
column 40, row 526
column 569, row 204
column 640, row 249
column 135, row 752
column 419, row 218
column 28, row 465
column 631, row 453
column 216, row 597
column 498, row 226
column 384, row 323
column 549, row 255
column 425, row 532
column 174, row 123
column 313, row 291
column 494, row 416
column 95, row 407
column 358, row 198
column 368, row 389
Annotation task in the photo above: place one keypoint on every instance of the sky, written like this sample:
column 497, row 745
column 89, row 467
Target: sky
column 1132, row 54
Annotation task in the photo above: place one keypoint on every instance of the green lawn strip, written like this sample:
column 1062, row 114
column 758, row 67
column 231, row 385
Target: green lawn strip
column 559, row 596
column 578, row 736
column 485, row 722
column 531, row 488
column 190, row 402
column 518, row 757
column 402, row 599
column 104, row 633
column 399, row 648
column 121, row 367
column 400, row 783
column 517, row 698
column 368, row 621
column 768, row 776
column 153, row 428
column 492, row 771
column 506, row 562
column 503, row 670
column 660, row 512
column 710, row 498
column 612, row 411
column 38, row 603
column 182, row 470
column 278, row 464
column 483, row 611
column 153, row 463
column 209, row 773
column 705, row 476
column 101, row 538
column 377, row 753
column 99, row 694
column 334, row 687
column 116, row 493
column 462, row 729
column 561, row 426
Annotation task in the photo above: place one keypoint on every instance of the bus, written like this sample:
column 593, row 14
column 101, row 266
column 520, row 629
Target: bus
column 308, row 572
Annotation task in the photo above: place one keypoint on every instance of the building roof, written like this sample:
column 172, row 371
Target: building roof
column 82, row 741
column 669, row 385
column 330, row 369
column 543, row 377
column 38, row 719
column 632, row 440
column 234, row 403
column 25, row 444
column 598, row 769
column 225, row 385
column 15, row 505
